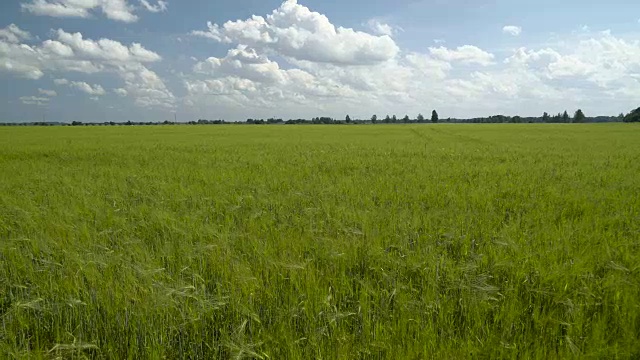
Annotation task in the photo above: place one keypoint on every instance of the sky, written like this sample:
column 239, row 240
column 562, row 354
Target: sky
column 153, row 60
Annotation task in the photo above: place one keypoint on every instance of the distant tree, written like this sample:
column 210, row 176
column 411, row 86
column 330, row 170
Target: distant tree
column 434, row 116
column 621, row 117
column 516, row 119
column 420, row 118
column 374, row 119
column 546, row 118
column 633, row 116
column 406, row 119
column 394, row 119
column 579, row 117
column 565, row 117
column 387, row 119
column 347, row 119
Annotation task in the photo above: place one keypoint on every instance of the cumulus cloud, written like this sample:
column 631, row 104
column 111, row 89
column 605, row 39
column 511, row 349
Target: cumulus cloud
column 245, row 63
column 465, row 54
column 603, row 60
column 34, row 100
column 512, row 30
column 295, row 31
column 295, row 62
column 71, row 52
column 429, row 66
column 529, row 80
column 60, row 8
column 95, row 90
column 50, row 93
column 147, row 88
column 380, row 28
column 14, row 34
column 161, row 6
column 597, row 69
column 118, row 10
column 248, row 78
column 103, row 49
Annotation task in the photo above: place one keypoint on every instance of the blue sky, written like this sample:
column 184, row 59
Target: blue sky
column 119, row 60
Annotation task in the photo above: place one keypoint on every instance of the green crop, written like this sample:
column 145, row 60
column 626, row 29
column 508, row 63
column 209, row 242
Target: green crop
column 320, row 242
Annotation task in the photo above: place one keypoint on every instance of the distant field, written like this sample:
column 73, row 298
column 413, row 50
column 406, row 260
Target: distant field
column 320, row 242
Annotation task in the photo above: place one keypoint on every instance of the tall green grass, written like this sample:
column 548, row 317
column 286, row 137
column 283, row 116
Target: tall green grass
column 312, row 242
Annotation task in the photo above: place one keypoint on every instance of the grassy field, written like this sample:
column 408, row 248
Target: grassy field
column 320, row 242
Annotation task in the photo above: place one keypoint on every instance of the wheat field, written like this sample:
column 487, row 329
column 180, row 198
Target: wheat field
column 320, row 242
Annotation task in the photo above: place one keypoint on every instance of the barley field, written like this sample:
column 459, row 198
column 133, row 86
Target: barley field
column 320, row 242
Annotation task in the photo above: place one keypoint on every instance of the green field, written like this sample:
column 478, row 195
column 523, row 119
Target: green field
column 320, row 242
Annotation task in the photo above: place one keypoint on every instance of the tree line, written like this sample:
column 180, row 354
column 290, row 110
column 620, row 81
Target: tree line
column 633, row 116
column 578, row 117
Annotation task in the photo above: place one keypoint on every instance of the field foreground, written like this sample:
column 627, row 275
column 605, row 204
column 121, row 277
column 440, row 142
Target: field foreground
column 312, row 242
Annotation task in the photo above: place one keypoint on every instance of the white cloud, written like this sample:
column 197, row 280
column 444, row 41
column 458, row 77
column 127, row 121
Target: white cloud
column 60, row 8
column 50, row 93
column 380, row 28
column 71, row 52
column 244, row 63
column 95, row 90
column 147, row 88
column 603, row 60
column 105, row 49
column 512, row 30
column 296, row 63
column 572, row 73
column 14, row 34
column 465, row 54
column 248, row 80
column 34, row 100
column 426, row 65
column 243, row 71
column 569, row 65
column 294, row 31
column 160, row 7
column 118, row 10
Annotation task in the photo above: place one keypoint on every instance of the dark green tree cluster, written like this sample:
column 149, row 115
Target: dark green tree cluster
column 558, row 118
column 579, row 117
column 633, row 116
column 564, row 117
column 263, row 121
column 392, row 119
